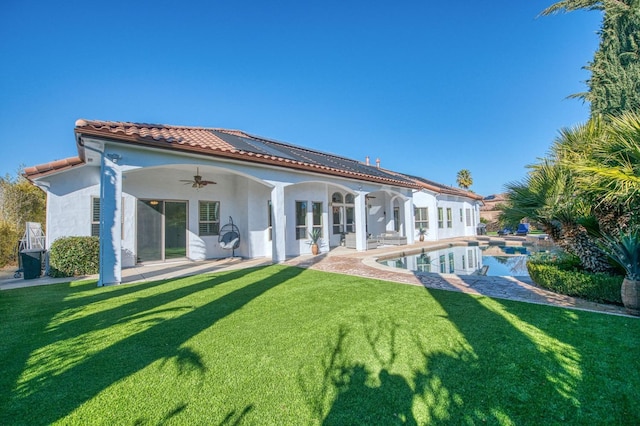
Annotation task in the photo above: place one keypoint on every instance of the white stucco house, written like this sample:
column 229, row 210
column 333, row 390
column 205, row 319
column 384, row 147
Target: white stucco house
column 159, row 192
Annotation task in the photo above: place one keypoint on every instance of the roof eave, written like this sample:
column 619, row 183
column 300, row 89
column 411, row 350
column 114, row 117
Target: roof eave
column 237, row 155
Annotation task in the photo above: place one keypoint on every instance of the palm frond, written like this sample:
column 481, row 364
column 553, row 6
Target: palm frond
column 571, row 5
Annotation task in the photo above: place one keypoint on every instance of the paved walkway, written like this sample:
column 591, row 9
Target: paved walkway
column 363, row 264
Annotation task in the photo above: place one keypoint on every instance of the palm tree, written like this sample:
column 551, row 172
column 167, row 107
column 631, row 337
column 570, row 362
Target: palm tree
column 571, row 5
column 606, row 169
column 464, row 179
column 547, row 196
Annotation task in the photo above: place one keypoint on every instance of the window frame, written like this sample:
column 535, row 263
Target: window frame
column 421, row 217
column 314, row 216
column 96, row 224
column 208, row 222
column 269, row 220
column 301, row 228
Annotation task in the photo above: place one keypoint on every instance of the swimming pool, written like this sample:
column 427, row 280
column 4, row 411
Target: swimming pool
column 467, row 260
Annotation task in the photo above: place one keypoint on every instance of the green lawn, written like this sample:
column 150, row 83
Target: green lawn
column 282, row 345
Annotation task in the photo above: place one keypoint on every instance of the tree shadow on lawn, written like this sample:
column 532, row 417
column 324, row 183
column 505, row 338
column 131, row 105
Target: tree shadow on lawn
column 363, row 389
column 504, row 370
column 609, row 357
column 51, row 394
column 472, row 361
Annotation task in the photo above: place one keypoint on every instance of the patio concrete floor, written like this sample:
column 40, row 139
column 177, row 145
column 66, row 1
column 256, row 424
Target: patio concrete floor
column 348, row 261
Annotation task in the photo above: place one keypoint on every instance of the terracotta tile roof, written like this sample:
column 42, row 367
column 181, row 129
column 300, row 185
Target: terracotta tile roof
column 238, row 145
column 241, row 146
column 54, row 166
column 444, row 189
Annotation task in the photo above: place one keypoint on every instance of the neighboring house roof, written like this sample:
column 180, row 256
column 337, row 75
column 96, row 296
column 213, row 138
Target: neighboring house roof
column 491, row 202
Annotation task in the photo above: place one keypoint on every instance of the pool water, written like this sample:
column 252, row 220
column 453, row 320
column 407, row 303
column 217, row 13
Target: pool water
column 468, row 260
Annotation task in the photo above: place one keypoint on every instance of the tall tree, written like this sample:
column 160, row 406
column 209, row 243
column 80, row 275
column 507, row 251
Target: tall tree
column 464, row 179
column 614, row 86
column 20, row 202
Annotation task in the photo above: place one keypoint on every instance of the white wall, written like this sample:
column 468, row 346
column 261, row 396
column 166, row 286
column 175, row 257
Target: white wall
column 426, row 199
column 243, row 191
column 69, row 203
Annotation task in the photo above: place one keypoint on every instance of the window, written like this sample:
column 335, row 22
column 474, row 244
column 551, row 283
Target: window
column 316, row 210
column 443, row 264
column 452, row 267
column 468, row 212
column 449, row 218
column 396, row 219
column 461, row 216
column 424, row 263
column 301, row 220
column 209, row 223
column 342, row 213
column 269, row 220
column 351, row 219
column 440, row 218
column 337, row 219
column 95, row 217
column 421, row 217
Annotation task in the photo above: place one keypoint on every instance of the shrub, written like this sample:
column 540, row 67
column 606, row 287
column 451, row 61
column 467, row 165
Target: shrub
column 563, row 260
column 72, row 256
column 598, row 287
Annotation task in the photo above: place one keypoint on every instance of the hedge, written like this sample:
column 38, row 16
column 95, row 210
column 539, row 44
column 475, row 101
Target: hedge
column 73, row 256
column 602, row 288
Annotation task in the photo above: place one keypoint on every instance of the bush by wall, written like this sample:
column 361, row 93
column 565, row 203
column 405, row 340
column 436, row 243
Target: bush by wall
column 602, row 288
column 72, row 256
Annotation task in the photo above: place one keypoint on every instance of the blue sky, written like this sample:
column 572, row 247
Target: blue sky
column 428, row 87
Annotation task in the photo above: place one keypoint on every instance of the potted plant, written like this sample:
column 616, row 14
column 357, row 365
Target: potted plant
column 422, row 232
column 625, row 251
column 314, row 240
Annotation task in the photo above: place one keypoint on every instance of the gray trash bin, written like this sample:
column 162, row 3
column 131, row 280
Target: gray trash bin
column 31, row 263
column 481, row 229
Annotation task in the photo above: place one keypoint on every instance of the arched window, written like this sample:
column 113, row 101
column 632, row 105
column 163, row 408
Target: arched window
column 343, row 213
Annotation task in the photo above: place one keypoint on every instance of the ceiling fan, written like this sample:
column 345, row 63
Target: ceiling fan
column 197, row 181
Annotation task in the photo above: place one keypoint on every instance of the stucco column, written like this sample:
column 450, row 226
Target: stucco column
column 389, row 225
column 360, row 211
column 110, row 221
column 409, row 227
column 278, row 225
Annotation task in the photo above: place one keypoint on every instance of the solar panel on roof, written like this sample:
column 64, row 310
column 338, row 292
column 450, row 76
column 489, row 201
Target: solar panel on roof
column 249, row 145
column 294, row 153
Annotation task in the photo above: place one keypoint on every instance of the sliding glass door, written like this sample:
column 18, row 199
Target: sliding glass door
column 161, row 230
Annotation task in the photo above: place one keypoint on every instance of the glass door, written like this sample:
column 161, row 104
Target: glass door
column 175, row 229
column 161, row 230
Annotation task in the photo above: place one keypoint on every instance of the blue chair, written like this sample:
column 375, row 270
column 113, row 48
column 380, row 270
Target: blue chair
column 523, row 229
